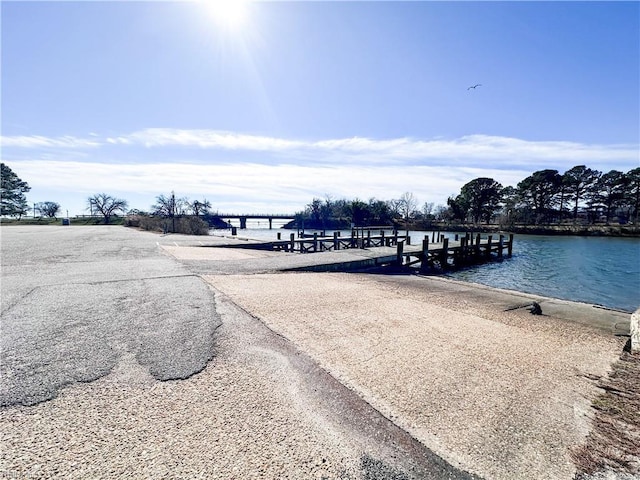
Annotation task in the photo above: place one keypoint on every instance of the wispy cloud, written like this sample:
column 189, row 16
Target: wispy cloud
column 37, row 141
column 163, row 137
column 268, row 188
column 496, row 151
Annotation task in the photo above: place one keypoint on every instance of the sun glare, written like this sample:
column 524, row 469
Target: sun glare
column 228, row 14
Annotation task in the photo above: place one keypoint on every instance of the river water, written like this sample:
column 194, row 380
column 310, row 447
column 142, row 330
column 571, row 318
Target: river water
column 597, row 270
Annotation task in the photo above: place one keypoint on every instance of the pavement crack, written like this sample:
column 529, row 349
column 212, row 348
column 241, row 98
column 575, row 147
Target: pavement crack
column 18, row 301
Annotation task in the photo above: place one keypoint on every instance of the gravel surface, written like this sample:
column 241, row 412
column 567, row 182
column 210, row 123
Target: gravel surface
column 501, row 393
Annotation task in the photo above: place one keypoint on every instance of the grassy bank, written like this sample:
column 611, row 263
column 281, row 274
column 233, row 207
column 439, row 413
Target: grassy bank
column 614, row 441
column 187, row 225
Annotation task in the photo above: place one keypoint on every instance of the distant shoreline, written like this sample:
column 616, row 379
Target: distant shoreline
column 632, row 231
column 574, row 230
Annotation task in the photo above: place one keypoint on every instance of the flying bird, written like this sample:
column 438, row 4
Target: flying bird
column 474, row 86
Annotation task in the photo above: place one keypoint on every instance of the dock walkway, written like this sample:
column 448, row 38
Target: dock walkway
column 389, row 250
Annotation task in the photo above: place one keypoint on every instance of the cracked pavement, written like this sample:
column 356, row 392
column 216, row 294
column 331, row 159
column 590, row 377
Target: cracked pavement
column 74, row 304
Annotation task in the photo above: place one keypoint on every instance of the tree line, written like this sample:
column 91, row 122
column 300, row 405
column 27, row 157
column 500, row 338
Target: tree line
column 579, row 195
column 169, row 213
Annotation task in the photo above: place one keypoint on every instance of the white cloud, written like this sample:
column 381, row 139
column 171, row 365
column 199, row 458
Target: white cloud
column 235, row 171
column 473, row 150
column 37, row 141
column 266, row 188
column 160, row 137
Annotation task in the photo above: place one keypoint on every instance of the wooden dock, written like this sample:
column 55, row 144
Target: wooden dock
column 395, row 249
column 447, row 255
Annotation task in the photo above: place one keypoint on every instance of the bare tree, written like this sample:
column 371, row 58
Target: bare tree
column 407, row 204
column 198, row 207
column 48, row 209
column 106, row 205
column 170, row 207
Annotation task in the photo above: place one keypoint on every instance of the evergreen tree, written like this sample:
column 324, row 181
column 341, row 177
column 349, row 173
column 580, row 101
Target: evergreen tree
column 632, row 196
column 539, row 191
column 483, row 195
column 13, row 202
column 579, row 181
column 608, row 192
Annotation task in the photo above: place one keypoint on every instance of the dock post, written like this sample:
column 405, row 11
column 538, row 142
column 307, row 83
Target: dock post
column 293, row 242
column 425, row 245
column 336, row 243
column 463, row 250
column 488, row 250
column 368, row 238
column 424, row 258
column 315, row 241
column 510, row 244
column 500, row 246
column 279, row 235
column 382, row 241
column 433, row 237
column 456, row 238
column 445, row 254
column 477, row 245
column 400, row 246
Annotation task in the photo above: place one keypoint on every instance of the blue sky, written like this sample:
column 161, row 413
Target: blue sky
column 308, row 99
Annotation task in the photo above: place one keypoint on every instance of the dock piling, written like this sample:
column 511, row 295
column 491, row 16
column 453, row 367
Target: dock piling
column 400, row 248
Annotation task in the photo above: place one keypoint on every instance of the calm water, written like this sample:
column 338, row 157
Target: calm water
column 601, row 271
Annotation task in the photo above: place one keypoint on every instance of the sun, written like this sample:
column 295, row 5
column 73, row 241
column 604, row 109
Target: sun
column 228, row 14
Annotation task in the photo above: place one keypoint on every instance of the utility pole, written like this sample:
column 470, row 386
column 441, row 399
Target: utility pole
column 173, row 211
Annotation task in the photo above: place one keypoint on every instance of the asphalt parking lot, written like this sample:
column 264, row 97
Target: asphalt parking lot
column 74, row 300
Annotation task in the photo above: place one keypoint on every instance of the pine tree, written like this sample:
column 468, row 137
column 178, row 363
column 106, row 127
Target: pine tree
column 13, row 202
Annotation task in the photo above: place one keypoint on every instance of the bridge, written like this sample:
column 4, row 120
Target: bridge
column 243, row 217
